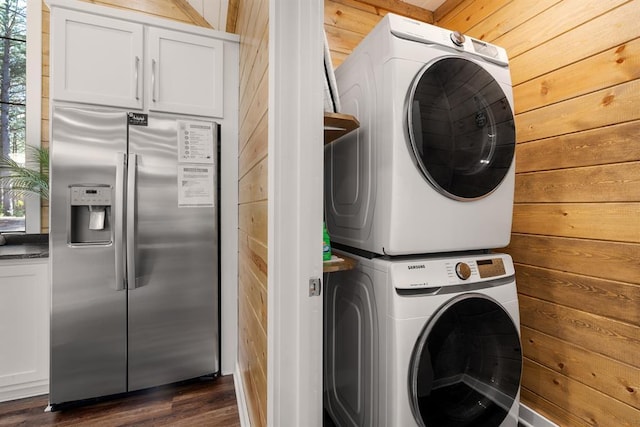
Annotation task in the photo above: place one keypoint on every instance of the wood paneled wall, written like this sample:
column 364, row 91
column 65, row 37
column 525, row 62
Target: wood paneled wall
column 346, row 22
column 575, row 66
column 253, row 27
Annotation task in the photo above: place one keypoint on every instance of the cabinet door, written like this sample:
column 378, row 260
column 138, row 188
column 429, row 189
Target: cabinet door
column 96, row 60
column 24, row 328
column 186, row 73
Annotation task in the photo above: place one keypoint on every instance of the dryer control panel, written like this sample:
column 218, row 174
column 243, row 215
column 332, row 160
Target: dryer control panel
column 410, row 29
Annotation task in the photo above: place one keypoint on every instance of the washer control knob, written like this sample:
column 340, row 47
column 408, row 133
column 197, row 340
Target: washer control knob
column 457, row 38
column 463, row 270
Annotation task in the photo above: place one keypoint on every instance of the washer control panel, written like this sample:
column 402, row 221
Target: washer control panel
column 483, row 268
column 443, row 272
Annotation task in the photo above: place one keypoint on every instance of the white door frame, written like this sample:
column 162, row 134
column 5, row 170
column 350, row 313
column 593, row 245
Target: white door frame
column 34, row 103
column 295, row 207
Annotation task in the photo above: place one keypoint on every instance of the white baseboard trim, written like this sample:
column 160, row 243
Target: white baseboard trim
column 243, row 412
column 530, row 418
column 20, row 391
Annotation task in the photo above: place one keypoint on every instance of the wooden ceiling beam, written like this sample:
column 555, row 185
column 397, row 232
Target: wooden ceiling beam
column 193, row 14
column 232, row 16
column 445, row 8
column 402, row 8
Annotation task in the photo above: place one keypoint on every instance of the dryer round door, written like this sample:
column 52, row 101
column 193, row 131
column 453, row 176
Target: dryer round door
column 461, row 128
column 466, row 365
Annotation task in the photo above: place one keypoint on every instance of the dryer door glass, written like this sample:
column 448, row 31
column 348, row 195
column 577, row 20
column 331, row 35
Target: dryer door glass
column 461, row 128
column 466, row 365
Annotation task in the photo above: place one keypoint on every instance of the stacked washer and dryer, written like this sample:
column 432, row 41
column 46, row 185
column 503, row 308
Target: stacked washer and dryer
column 425, row 330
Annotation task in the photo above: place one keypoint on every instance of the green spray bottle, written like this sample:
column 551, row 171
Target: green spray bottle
column 326, row 243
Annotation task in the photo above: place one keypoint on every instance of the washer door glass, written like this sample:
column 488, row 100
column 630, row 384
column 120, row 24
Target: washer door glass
column 466, row 365
column 461, row 128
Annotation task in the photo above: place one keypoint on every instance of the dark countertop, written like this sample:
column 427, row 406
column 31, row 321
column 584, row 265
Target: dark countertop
column 25, row 246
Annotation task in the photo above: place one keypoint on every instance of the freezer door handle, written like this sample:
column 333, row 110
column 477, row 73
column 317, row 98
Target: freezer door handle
column 131, row 221
column 121, row 164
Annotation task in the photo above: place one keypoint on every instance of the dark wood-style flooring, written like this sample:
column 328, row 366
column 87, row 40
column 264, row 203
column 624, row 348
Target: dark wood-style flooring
column 196, row 403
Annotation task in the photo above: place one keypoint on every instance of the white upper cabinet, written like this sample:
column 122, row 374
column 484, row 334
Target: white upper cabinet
column 186, row 73
column 108, row 61
column 96, row 60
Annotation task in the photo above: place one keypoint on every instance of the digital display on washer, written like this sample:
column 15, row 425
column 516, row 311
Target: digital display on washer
column 491, row 267
column 484, row 48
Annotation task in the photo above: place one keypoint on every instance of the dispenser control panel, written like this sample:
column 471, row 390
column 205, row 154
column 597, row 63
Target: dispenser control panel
column 91, row 196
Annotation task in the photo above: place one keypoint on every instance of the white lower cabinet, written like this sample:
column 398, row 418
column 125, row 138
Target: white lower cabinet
column 24, row 328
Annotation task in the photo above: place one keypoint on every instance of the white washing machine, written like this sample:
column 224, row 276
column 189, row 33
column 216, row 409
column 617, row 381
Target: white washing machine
column 427, row 342
column 431, row 168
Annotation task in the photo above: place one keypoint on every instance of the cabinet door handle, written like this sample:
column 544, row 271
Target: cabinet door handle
column 137, row 78
column 153, row 80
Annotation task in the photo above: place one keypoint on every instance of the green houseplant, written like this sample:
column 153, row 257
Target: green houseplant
column 21, row 179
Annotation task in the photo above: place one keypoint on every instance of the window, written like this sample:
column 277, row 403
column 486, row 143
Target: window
column 19, row 124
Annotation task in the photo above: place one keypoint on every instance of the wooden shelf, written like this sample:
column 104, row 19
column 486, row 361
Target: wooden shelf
column 347, row 263
column 337, row 124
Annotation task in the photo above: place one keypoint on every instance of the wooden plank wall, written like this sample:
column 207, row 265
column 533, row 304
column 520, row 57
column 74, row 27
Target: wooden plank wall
column 253, row 27
column 576, row 230
column 346, row 22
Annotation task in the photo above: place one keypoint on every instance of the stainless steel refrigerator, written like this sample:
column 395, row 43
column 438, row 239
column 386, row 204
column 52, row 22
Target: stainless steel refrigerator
column 134, row 251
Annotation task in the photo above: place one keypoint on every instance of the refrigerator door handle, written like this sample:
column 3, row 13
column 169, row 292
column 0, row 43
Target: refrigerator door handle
column 131, row 218
column 121, row 164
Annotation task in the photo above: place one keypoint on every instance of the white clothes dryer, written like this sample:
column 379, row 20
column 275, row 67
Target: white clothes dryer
column 426, row 342
column 431, row 168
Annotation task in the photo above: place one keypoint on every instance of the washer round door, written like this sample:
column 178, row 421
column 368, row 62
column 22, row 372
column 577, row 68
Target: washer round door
column 466, row 365
column 461, row 128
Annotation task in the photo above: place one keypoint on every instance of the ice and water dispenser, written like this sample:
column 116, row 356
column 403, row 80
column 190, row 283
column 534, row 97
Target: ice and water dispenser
column 90, row 215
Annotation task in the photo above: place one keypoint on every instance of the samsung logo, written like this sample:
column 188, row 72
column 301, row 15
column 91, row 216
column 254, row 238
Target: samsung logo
column 415, row 267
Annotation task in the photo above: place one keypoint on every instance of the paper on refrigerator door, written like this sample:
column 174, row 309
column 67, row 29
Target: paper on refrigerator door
column 195, row 185
column 196, row 141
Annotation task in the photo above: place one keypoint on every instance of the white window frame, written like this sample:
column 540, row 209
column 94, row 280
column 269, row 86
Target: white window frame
column 34, row 103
